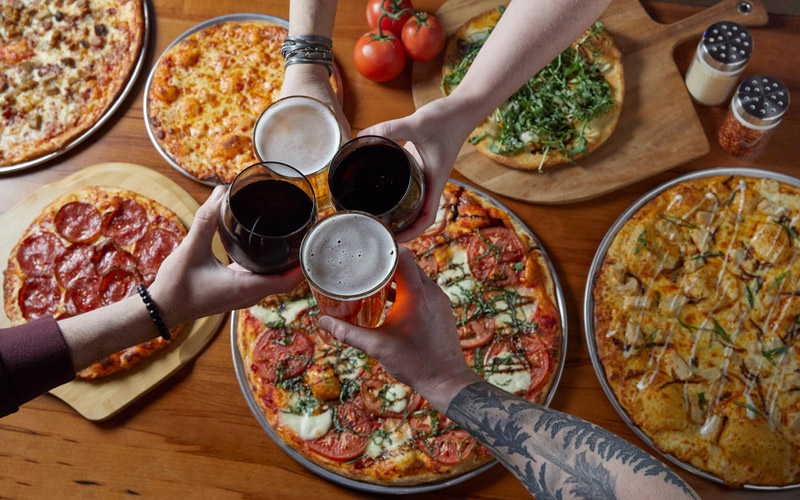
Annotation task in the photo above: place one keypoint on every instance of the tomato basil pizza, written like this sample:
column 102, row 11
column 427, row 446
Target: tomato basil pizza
column 696, row 321
column 341, row 410
column 62, row 66
column 565, row 111
column 85, row 250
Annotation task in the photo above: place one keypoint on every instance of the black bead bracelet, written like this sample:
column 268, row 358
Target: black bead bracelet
column 151, row 308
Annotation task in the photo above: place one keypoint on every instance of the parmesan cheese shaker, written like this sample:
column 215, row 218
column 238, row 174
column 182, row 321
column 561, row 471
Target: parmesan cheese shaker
column 756, row 109
column 721, row 56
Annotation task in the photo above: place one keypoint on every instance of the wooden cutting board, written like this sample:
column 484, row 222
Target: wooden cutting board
column 101, row 399
column 658, row 128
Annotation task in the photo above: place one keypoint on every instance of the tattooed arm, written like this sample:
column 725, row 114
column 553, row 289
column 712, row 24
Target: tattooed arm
column 555, row 455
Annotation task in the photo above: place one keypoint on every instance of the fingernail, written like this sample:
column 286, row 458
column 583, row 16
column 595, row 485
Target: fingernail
column 326, row 324
column 217, row 193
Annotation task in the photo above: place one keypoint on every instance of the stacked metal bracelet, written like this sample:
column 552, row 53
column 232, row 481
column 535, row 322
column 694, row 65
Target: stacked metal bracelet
column 308, row 49
column 151, row 308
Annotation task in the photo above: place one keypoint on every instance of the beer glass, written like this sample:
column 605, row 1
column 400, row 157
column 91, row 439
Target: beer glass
column 264, row 216
column 303, row 132
column 349, row 259
column 376, row 175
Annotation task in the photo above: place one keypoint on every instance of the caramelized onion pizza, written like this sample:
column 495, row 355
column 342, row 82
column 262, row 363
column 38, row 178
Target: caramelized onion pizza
column 697, row 324
column 341, row 410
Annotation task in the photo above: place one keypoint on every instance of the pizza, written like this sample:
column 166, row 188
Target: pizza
column 697, row 322
column 567, row 110
column 340, row 409
column 62, row 66
column 88, row 249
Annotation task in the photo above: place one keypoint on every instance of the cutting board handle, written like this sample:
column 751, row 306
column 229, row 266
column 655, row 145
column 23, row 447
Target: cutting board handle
column 726, row 10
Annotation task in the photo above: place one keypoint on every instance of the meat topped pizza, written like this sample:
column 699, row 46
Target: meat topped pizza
column 341, row 410
column 567, row 109
column 696, row 321
column 85, row 250
column 62, row 65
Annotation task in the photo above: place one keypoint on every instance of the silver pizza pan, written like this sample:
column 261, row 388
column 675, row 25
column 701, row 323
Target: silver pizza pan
column 146, row 8
column 241, row 376
column 588, row 304
column 239, row 17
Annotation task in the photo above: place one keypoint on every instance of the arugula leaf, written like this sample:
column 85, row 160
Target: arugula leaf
column 648, row 342
column 749, row 295
column 749, row 407
column 643, row 242
column 777, row 281
column 774, row 352
column 707, row 255
column 791, row 232
column 702, row 400
column 678, row 221
column 721, row 332
column 519, row 266
column 730, row 200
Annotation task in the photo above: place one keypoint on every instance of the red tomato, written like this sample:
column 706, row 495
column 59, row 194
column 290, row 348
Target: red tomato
column 379, row 59
column 451, row 447
column 476, row 332
column 273, row 351
column 387, row 23
column 345, row 445
column 539, row 360
column 423, row 37
column 379, row 406
column 493, row 254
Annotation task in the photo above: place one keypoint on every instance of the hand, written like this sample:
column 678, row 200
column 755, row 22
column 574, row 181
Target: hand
column 192, row 283
column 418, row 343
column 312, row 80
column 435, row 133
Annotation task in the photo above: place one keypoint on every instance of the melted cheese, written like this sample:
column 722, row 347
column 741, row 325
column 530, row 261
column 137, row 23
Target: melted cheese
column 308, row 426
column 512, row 375
column 384, row 442
column 289, row 313
column 350, row 363
column 396, row 395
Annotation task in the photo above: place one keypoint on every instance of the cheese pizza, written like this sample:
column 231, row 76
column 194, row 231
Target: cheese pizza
column 696, row 321
column 340, row 409
column 565, row 111
column 62, row 66
column 88, row 249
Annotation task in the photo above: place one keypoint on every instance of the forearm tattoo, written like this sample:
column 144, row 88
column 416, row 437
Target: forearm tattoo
column 552, row 453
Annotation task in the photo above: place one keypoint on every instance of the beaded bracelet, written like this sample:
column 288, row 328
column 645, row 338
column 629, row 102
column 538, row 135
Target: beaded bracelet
column 308, row 49
column 151, row 308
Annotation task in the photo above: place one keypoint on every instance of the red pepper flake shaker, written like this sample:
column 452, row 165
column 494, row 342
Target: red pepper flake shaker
column 755, row 110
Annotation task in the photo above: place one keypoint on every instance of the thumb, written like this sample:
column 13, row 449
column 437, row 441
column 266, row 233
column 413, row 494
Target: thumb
column 205, row 219
column 397, row 130
column 361, row 338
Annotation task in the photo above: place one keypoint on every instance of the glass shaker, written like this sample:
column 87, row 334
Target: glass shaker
column 721, row 56
column 756, row 109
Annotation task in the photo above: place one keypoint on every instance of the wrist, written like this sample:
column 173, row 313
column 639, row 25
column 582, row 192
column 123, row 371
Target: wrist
column 440, row 390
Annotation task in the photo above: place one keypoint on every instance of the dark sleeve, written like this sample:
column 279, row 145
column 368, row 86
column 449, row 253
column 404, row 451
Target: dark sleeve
column 34, row 358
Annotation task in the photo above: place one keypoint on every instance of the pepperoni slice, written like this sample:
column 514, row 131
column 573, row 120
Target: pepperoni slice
column 78, row 222
column 38, row 253
column 127, row 223
column 83, row 296
column 75, row 263
column 39, row 296
column 118, row 283
column 108, row 256
column 153, row 248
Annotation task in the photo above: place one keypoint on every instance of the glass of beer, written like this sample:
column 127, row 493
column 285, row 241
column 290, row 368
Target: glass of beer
column 303, row 132
column 376, row 175
column 349, row 259
column 268, row 209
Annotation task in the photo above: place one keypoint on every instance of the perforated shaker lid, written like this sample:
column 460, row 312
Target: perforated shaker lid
column 761, row 100
column 726, row 46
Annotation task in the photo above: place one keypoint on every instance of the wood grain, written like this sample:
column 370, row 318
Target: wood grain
column 103, row 398
column 658, row 127
column 194, row 436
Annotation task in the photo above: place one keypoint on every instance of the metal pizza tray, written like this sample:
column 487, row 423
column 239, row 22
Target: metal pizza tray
column 241, row 376
column 240, row 17
column 105, row 116
column 588, row 304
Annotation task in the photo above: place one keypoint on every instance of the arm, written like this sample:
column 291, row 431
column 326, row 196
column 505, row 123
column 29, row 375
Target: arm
column 554, row 455
column 191, row 283
column 313, row 17
column 529, row 35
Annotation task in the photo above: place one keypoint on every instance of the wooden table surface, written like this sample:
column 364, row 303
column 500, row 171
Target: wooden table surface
column 194, row 435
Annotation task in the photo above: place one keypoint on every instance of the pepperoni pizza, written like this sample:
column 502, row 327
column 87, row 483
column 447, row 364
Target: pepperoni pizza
column 88, row 249
column 340, row 409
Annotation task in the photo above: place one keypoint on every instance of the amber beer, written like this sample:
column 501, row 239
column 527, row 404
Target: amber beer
column 349, row 259
column 302, row 132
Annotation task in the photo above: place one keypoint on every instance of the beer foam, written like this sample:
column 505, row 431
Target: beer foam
column 348, row 255
column 300, row 132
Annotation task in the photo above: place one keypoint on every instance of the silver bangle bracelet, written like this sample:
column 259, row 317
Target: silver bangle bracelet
column 308, row 49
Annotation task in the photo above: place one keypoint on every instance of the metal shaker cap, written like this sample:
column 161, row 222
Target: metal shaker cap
column 761, row 100
column 726, row 46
